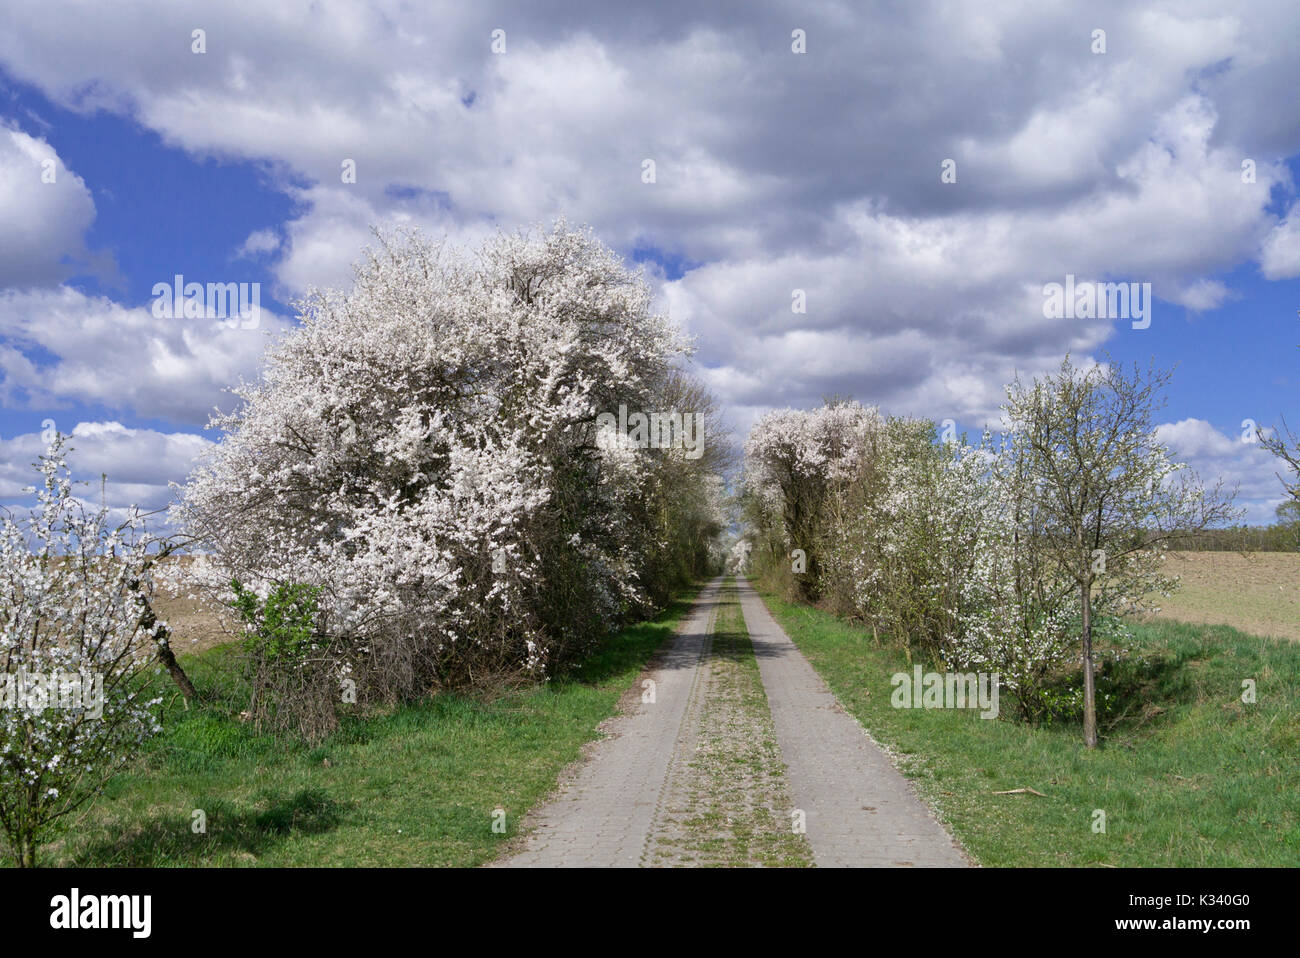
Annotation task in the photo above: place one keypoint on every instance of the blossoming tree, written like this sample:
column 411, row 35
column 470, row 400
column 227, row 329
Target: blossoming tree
column 1108, row 498
column 794, row 461
column 78, row 650
column 421, row 455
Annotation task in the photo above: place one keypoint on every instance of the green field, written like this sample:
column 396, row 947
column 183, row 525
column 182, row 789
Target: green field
column 1187, row 774
column 417, row 786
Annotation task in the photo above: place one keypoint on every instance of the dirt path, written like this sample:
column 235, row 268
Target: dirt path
column 698, row 776
column 603, row 816
column 859, row 810
column 726, row 802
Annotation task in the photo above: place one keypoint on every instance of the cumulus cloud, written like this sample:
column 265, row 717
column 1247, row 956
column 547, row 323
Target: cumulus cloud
column 774, row 171
column 45, row 210
column 1280, row 255
column 138, row 463
column 322, row 245
column 258, row 243
column 932, row 314
column 92, row 350
column 1239, row 460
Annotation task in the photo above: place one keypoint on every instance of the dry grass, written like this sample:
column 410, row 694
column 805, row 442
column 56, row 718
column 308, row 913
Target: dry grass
column 1258, row 592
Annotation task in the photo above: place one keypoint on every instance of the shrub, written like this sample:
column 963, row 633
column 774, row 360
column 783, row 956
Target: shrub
column 78, row 644
column 424, row 455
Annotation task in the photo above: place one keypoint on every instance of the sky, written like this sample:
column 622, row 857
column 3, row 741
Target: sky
column 918, row 171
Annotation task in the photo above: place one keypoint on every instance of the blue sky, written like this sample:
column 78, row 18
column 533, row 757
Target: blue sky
column 147, row 196
column 776, row 171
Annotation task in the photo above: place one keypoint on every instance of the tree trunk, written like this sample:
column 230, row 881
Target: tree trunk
column 174, row 669
column 26, row 853
column 1089, row 684
column 147, row 622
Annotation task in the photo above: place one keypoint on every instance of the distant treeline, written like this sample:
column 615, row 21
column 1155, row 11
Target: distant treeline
column 1281, row 537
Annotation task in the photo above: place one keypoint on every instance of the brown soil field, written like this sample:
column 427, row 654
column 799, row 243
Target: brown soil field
column 195, row 625
column 1258, row 592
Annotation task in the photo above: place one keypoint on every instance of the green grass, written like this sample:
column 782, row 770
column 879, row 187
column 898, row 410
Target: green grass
column 1187, row 774
column 418, row 786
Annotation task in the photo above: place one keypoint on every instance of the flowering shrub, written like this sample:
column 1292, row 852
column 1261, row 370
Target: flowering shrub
column 889, row 519
column 907, row 543
column 1016, row 617
column 795, row 464
column 78, row 644
column 423, row 454
column 936, row 547
column 1007, row 559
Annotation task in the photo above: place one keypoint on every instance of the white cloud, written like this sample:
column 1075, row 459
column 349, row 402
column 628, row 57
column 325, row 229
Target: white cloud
column 1232, row 458
column 42, row 224
column 122, row 358
column 139, row 463
column 1201, row 294
column 1280, row 255
column 778, row 171
column 322, row 245
column 258, row 243
column 933, row 314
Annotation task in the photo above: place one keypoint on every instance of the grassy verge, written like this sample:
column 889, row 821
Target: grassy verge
column 727, row 803
column 1189, row 775
column 418, row 786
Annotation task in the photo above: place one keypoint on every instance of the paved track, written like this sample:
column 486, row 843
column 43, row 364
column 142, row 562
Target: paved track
column 859, row 810
column 604, row 817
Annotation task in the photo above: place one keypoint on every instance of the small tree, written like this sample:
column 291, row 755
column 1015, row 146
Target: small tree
column 1107, row 498
column 1286, row 446
column 77, row 643
column 1016, row 617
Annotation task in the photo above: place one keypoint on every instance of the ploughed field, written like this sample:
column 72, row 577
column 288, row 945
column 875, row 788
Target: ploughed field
column 1258, row 592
